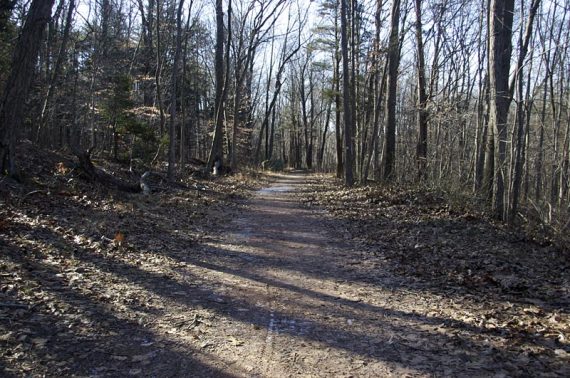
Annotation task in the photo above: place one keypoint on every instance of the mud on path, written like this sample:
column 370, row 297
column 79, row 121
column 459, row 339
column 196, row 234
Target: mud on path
column 270, row 288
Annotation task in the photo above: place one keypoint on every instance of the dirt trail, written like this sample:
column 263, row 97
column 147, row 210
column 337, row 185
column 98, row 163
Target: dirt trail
column 270, row 287
column 299, row 300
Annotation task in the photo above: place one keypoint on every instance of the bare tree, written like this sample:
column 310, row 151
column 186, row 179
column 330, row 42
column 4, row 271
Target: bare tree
column 57, row 69
column 500, row 48
column 422, row 117
column 520, row 117
column 174, row 91
column 389, row 149
column 347, row 98
column 216, row 151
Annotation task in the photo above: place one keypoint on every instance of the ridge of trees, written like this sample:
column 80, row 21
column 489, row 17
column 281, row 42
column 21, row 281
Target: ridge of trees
column 469, row 95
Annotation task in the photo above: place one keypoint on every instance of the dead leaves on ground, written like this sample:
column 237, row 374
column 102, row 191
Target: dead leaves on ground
column 520, row 289
column 82, row 266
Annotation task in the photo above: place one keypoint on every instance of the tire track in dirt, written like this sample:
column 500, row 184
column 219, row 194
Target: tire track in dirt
column 263, row 223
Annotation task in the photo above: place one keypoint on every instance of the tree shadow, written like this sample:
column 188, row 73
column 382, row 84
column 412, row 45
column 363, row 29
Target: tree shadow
column 252, row 253
column 68, row 332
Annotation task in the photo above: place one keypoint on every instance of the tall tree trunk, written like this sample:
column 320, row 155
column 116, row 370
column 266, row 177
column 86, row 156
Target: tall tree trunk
column 174, row 94
column 500, row 48
column 216, row 151
column 321, row 153
column 377, row 88
column 565, row 164
column 337, row 107
column 422, row 116
column 520, row 116
column 347, row 99
column 389, row 150
column 236, row 110
column 271, row 134
column 158, row 72
column 229, row 143
column 540, row 158
column 19, row 82
column 311, row 136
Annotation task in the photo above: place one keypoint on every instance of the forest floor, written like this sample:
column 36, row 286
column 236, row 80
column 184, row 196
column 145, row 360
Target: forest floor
column 272, row 276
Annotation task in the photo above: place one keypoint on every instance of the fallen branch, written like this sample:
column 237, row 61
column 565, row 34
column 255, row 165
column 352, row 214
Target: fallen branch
column 30, row 194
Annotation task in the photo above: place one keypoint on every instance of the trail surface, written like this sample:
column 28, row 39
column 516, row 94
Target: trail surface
column 300, row 300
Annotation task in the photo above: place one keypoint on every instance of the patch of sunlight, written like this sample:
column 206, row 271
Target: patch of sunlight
column 235, row 247
column 276, row 189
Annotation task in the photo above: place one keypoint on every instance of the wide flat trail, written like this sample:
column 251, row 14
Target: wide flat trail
column 295, row 298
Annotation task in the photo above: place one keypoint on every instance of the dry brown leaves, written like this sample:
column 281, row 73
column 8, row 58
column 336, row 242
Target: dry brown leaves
column 86, row 272
column 517, row 287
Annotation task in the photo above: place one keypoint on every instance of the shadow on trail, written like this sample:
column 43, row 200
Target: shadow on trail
column 66, row 318
column 467, row 265
column 390, row 347
column 278, row 240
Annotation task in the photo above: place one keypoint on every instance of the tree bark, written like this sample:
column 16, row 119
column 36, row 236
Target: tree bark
column 19, row 82
column 500, row 48
column 422, row 116
column 378, row 83
column 321, row 153
column 216, row 150
column 337, row 107
column 347, row 99
column 520, row 117
column 174, row 93
column 389, row 150
column 158, row 72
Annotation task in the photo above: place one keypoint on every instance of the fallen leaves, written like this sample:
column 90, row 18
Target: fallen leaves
column 76, row 304
column 519, row 290
column 74, row 294
column 235, row 342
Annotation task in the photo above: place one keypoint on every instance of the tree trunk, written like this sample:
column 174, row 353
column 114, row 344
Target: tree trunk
column 500, row 48
column 520, row 116
column 481, row 139
column 422, row 116
column 347, row 99
column 321, row 153
column 377, row 89
column 337, row 107
column 174, row 94
column 216, row 150
column 389, row 150
column 19, row 82
column 158, row 72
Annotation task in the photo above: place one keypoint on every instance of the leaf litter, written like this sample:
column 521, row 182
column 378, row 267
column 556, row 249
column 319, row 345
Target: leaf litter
column 478, row 272
column 95, row 282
